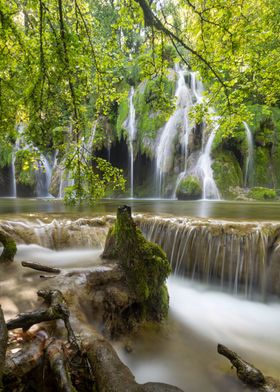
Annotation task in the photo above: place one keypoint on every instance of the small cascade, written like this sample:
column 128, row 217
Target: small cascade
column 250, row 156
column 44, row 176
column 132, row 130
column 13, row 176
column 204, row 170
column 165, row 147
column 197, row 98
column 238, row 257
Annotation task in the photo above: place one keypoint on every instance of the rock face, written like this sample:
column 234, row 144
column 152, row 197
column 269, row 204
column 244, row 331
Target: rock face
column 144, row 264
column 189, row 188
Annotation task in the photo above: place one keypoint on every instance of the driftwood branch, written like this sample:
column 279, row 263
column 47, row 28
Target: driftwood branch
column 40, row 267
column 247, row 372
column 3, row 343
column 57, row 309
column 58, row 365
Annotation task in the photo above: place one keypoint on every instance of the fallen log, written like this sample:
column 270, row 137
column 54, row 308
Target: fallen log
column 3, row 344
column 40, row 267
column 248, row 373
column 58, row 365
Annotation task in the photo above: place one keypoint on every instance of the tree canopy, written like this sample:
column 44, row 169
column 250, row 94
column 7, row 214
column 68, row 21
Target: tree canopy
column 63, row 66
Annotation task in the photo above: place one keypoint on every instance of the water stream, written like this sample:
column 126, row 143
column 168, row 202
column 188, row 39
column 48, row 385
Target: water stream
column 250, row 157
column 165, row 147
column 204, row 170
column 183, row 351
column 132, row 130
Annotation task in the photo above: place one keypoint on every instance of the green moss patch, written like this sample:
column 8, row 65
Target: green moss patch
column 260, row 193
column 189, row 188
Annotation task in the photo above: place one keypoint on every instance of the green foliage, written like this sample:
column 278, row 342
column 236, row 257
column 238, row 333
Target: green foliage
column 154, row 102
column 123, row 112
column 26, row 165
column 260, row 193
column 189, row 188
column 93, row 178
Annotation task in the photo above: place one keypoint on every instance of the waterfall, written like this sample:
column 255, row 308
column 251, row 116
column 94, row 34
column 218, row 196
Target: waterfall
column 204, row 170
column 44, row 176
column 132, row 130
column 250, row 156
column 165, row 147
column 13, row 176
column 239, row 257
column 196, row 91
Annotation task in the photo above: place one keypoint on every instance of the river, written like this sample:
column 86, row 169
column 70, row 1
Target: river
column 182, row 351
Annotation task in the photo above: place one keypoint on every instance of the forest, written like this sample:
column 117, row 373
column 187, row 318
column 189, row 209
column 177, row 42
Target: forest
column 139, row 195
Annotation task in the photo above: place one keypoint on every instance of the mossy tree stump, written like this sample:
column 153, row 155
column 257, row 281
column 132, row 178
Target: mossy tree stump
column 145, row 265
column 10, row 248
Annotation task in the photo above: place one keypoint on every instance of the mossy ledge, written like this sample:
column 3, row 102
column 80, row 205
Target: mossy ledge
column 10, row 248
column 144, row 264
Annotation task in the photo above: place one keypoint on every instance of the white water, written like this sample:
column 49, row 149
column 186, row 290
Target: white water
column 204, row 171
column 165, row 147
column 44, row 176
column 250, row 156
column 185, row 353
column 132, row 130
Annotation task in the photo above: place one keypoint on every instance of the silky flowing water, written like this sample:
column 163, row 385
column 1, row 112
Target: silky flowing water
column 182, row 351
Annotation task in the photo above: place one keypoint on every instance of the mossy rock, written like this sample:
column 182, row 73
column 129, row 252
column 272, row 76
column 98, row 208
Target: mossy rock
column 227, row 173
column 260, row 193
column 10, row 248
column 189, row 188
column 144, row 263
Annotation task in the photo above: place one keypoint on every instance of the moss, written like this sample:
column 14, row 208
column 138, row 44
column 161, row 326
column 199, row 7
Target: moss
column 123, row 112
column 227, row 172
column 145, row 264
column 10, row 248
column 153, row 104
column 189, row 188
column 260, row 193
column 262, row 170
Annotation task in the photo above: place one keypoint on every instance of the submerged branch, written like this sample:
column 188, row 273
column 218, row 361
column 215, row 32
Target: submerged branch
column 247, row 373
column 40, row 267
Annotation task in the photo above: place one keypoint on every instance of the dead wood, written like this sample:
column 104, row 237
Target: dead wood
column 23, row 361
column 40, row 267
column 248, row 373
column 58, row 365
column 3, row 343
column 57, row 309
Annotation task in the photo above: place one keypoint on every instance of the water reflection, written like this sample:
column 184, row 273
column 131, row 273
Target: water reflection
column 200, row 208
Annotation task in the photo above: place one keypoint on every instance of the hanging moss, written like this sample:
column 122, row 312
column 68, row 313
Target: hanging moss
column 123, row 112
column 145, row 264
column 227, row 173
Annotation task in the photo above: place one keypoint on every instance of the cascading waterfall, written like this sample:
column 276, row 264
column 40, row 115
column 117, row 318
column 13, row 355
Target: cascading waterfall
column 250, row 156
column 204, row 170
column 132, row 130
column 44, row 176
column 240, row 257
column 197, row 98
column 165, row 147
